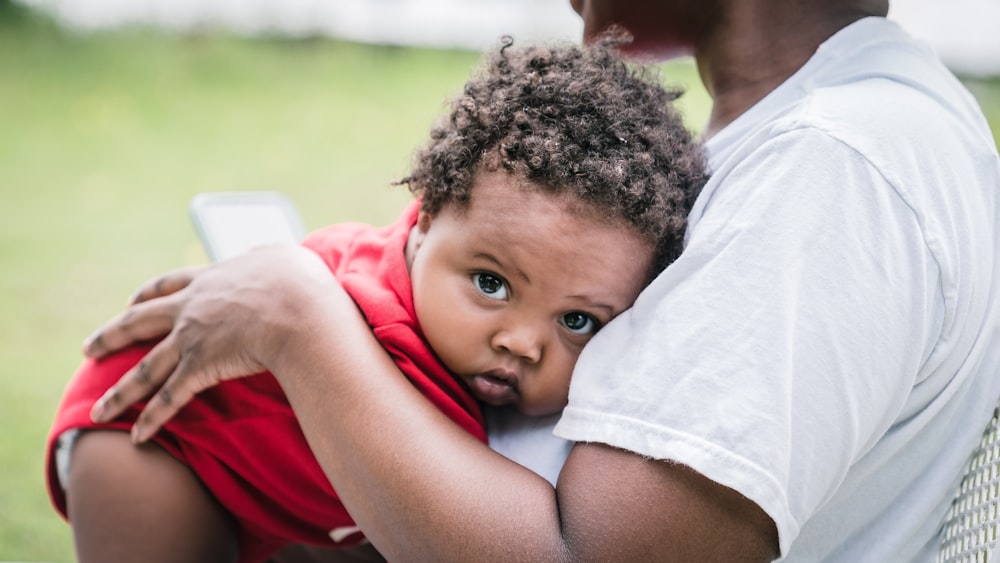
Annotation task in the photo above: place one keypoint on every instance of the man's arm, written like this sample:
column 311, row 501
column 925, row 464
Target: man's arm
column 419, row 486
column 422, row 489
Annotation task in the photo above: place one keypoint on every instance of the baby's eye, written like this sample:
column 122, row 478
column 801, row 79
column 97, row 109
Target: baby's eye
column 579, row 323
column 491, row 286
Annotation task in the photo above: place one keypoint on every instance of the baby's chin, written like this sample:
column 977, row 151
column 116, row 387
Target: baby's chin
column 535, row 410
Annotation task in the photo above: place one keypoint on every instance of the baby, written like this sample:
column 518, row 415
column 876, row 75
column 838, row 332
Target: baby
column 556, row 188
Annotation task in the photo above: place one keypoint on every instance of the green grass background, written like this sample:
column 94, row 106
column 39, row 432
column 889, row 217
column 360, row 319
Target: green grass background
column 104, row 139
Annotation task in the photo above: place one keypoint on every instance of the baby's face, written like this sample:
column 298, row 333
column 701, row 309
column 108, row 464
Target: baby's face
column 509, row 290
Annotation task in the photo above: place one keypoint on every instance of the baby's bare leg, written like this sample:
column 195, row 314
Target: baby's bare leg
column 139, row 503
column 309, row 554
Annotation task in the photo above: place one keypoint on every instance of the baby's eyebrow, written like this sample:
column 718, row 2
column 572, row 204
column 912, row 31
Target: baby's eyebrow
column 500, row 265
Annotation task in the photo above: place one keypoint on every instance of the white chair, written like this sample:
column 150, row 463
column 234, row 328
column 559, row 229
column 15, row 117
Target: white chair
column 972, row 525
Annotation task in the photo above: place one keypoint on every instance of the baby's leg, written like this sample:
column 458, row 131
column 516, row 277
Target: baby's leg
column 139, row 503
column 311, row 554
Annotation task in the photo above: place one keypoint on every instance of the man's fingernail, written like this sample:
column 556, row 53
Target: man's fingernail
column 97, row 411
column 138, row 434
column 91, row 342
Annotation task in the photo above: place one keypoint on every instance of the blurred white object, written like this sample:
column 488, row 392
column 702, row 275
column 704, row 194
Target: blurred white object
column 964, row 32
column 230, row 223
column 465, row 24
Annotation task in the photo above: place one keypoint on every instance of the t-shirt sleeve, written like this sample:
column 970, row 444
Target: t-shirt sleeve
column 766, row 356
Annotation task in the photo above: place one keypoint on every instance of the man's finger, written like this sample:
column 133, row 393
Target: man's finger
column 138, row 383
column 177, row 391
column 166, row 284
column 138, row 323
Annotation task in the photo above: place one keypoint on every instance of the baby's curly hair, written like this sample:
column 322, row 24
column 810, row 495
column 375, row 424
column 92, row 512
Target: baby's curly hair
column 574, row 121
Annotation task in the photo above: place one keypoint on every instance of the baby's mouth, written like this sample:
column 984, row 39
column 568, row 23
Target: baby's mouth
column 497, row 387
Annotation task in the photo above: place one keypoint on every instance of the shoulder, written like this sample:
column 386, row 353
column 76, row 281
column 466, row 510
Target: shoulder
column 336, row 236
column 340, row 243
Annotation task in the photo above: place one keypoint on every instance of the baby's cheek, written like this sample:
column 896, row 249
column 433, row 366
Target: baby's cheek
column 455, row 340
column 557, row 388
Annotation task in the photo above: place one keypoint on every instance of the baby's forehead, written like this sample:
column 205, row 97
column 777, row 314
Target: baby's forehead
column 551, row 241
column 494, row 188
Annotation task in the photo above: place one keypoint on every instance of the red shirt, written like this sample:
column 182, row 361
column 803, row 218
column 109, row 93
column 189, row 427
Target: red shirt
column 241, row 437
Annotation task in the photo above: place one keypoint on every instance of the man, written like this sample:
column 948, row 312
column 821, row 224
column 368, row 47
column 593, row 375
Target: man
column 805, row 382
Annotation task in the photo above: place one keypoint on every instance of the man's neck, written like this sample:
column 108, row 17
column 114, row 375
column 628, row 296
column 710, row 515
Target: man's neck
column 758, row 44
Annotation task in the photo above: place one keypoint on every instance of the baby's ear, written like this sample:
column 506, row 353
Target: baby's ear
column 423, row 221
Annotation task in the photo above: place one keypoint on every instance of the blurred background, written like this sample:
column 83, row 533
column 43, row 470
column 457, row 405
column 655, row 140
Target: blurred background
column 115, row 113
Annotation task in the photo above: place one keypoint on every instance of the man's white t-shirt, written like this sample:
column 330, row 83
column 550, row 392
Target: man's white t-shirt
column 828, row 342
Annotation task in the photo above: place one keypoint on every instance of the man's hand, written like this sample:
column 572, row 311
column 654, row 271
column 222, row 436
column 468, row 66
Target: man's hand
column 216, row 322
